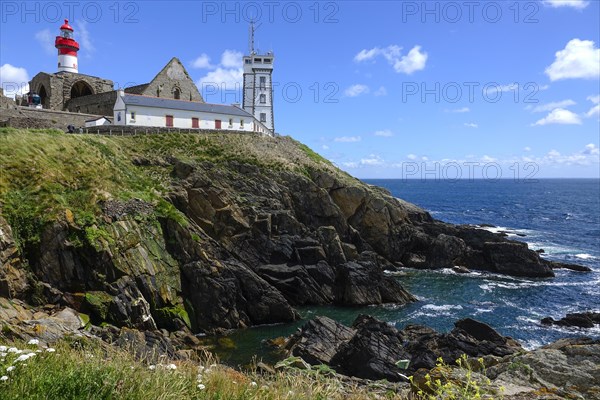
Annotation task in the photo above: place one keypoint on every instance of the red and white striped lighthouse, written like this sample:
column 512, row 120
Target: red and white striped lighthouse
column 67, row 49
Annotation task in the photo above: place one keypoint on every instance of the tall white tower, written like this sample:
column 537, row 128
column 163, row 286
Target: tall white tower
column 258, row 84
column 67, row 49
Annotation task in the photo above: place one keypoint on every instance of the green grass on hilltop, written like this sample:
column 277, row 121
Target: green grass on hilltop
column 44, row 173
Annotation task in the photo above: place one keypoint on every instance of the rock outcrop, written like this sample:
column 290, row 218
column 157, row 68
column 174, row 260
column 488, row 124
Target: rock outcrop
column 371, row 348
column 577, row 320
column 229, row 243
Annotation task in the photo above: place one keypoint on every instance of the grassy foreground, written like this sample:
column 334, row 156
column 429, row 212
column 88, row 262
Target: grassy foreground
column 84, row 369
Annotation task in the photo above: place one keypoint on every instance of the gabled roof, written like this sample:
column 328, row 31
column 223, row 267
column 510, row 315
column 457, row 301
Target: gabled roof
column 96, row 119
column 160, row 102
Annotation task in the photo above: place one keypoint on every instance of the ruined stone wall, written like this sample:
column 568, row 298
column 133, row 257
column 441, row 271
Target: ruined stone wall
column 24, row 117
column 97, row 104
column 58, row 87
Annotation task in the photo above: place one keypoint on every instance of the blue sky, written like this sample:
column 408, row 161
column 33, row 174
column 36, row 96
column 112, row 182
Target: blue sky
column 385, row 89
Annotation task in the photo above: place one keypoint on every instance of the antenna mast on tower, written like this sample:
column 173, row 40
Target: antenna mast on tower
column 251, row 39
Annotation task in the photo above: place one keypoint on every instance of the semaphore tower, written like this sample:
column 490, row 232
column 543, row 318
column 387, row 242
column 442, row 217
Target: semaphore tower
column 258, row 84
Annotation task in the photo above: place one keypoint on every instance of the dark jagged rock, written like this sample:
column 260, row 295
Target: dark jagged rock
column 319, row 340
column 578, row 320
column 371, row 348
column 372, row 352
column 363, row 283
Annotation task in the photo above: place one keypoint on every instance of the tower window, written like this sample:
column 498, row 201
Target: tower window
column 176, row 94
column 267, row 61
column 133, row 115
column 263, row 117
column 263, row 82
column 263, row 98
column 248, row 61
column 231, row 122
column 258, row 60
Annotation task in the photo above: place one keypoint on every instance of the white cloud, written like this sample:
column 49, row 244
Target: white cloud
column 488, row 159
column 83, row 36
column 415, row 60
column 579, row 59
column 228, row 75
column 382, row 91
column 325, row 147
column 46, row 40
column 411, row 157
column 347, row 139
column 596, row 109
column 372, row 160
column 231, row 59
column 527, row 148
column 593, row 111
column 460, row 110
column 578, row 4
column 356, row 90
column 14, row 80
column 551, row 106
column 365, row 55
column 203, row 62
column 384, row 133
column 591, row 149
column 471, row 125
column 553, row 154
column 560, row 116
column 350, row 164
column 492, row 90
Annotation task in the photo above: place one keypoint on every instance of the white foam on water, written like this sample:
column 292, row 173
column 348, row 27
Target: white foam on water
column 585, row 256
column 444, row 307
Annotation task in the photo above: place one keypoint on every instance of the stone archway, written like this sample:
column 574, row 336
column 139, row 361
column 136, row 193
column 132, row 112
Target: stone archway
column 81, row 88
column 43, row 97
column 176, row 93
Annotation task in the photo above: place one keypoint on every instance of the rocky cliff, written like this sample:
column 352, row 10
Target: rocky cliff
column 208, row 232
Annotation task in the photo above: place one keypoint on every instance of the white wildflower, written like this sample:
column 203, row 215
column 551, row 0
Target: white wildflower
column 152, row 367
column 12, row 367
column 201, row 386
column 50, row 350
column 4, row 378
column 3, row 354
column 34, row 341
column 253, row 384
column 13, row 350
column 22, row 357
column 3, row 348
column 171, row 366
column 201, row 368
column 38, row 351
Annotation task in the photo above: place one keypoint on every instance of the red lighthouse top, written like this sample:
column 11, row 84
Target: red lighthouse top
column 65, row 43
column 66, row 26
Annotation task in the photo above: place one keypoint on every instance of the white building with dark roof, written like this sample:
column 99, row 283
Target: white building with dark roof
column 147, row 111
column 145, row 106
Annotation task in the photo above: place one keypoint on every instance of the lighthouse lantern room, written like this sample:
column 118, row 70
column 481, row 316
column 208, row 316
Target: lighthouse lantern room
column 67, row 49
